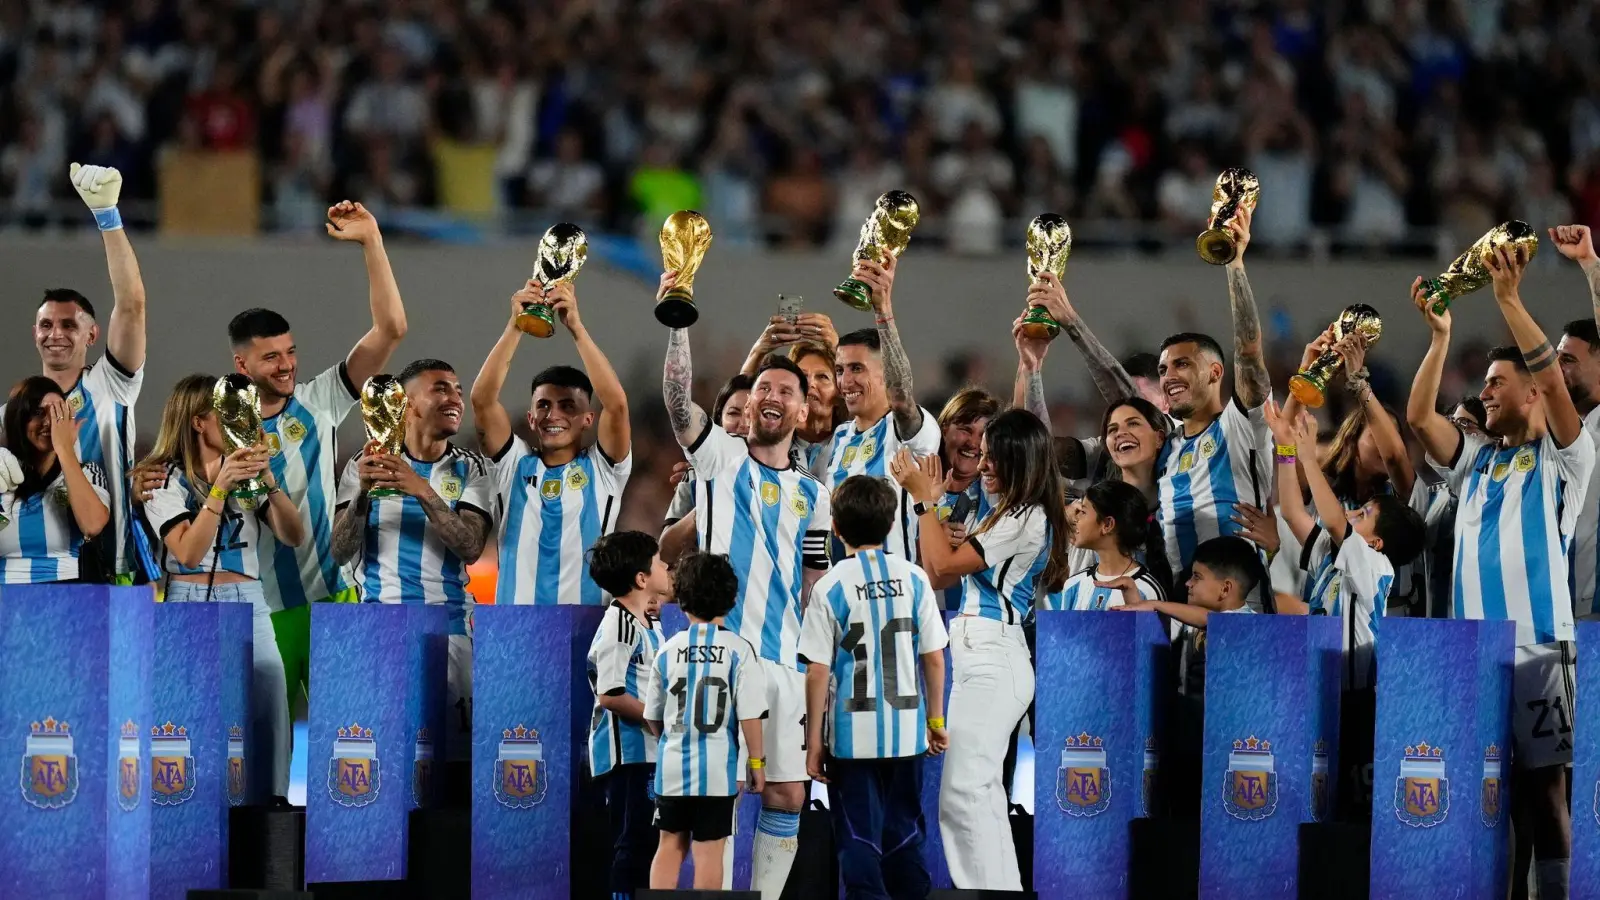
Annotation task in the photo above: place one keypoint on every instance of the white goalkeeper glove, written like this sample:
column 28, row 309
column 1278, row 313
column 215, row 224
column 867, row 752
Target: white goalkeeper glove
column 10, row 471
column 100, row 187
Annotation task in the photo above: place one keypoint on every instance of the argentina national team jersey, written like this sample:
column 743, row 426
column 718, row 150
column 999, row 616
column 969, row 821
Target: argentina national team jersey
column 301, row 441
column 1586, row 539
column 238, row 532
column 1084, row 592
column 401, row 559
column 1203, row 478
column 1516, row 514
column 620, row 657
column 772, row 524
column 966, row 508
column 872, row 618
column 551, row 516
column 1352, row 584
column 40, row 539
column 704, row 682
column 1015, row 551
column 868, row 452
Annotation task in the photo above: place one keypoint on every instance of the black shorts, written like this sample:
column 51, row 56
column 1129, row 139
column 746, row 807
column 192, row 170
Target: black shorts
column 702, row 818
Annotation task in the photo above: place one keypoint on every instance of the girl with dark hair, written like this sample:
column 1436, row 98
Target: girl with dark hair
column 1132, row 433
column 60, row 501
column 1017, row 550
column 1112, row 521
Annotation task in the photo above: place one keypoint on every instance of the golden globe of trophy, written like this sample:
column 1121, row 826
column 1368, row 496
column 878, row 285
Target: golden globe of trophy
column 1310, row 386
column 383, row 411
column 562, row 252
column 1236, row 188
column 1049, row 244
column 685, row 238
column 1470, row 271
column 238, row 409
column 886, row 233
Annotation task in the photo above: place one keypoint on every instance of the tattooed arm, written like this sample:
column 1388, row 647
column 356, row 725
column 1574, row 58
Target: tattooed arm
column 1250, row 380
column 1576, row 243
column 1506, row 265
column 1028, row 392
column 350, row 528
column 688, row 420
column 896, row 365
column 463, row 531
column 1113, row 382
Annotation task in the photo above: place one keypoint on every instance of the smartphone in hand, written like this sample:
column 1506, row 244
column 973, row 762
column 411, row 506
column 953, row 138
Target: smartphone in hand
column 789, row 306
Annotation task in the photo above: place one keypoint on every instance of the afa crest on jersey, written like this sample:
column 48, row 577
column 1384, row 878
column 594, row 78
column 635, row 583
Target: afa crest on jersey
column 129, row 786
column 1493, row 796
column 354, row 777
column 1319, row 781
column 798, row 504
column 237, row 785
column 49, row 767
column 1147, row 790
column 450, row 487
column 1083, row 782
column 521, row 779
column 294, row 429
column 422, row 770
column 172, row 769
column 1250, row 786
column 577, row 479
column 1422, row 792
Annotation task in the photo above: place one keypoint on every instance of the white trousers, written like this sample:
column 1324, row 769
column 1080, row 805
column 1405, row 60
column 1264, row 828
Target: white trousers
column 991, row 687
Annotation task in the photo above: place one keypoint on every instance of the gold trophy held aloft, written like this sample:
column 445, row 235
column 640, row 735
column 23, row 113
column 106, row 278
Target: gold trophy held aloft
column 685, row 238
column 1470, row 271
column 1310, row 386
column 238, row 410
column 1049, row 244
column 383, row 411
column 562, row 252
column 1236, row 188
column 886, row 233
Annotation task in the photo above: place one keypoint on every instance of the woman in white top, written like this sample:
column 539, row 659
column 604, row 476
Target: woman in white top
column 60, row 502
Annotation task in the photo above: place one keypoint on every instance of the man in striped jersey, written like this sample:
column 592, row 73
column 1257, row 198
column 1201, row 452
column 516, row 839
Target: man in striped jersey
column 415, row 548
column 1519, row 503
column 1579, row 357
column 300, row 421
column 101, row 397
column 557, row 500
column 754, row 503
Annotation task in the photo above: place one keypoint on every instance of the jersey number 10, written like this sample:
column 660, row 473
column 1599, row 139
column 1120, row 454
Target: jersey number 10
column 888, row 644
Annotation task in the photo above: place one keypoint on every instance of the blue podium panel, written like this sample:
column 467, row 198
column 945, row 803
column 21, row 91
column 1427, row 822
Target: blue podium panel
column 1586, row 765
column 1439, row 808
column 75, row 668
column 1100, row 675
column 200, row 689
column 1271, row 734
column 377, row 702
column 932, row 777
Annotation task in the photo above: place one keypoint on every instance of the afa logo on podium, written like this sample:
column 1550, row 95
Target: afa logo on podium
column 1250, row 786
column 172, row 769
column 1422, row 792
column 1493, row 787
column 49, row 767
column 353, row 774
column 521, row 780
column 128, row 783
column 1083, row 783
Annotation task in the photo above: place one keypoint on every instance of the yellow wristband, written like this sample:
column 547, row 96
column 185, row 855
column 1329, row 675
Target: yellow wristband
column 757, row 762
column 1288, row 450
column 218, row 493
column 936, row 722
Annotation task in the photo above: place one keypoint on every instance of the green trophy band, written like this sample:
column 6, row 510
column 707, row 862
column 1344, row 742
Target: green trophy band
column 383, row 412
column 685, row 237
column 1310, row 386
column 1049, row 243
column 886, row 233
column 239, row 419
column 1470, row 271
column 562, row 252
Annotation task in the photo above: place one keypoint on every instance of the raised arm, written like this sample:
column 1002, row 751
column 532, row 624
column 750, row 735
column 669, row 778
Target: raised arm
column 1028, row 392
column 1250, row 381
column 101, row 187
column 1391, row 446
column 688, row 420
column 1329, row 510
column 1286, row 433
column 1576, row 243
column 615, row 430
column 489, row 417
column 351, row 222
column 1438, row 435
column 896, row 365
column 1507, row 265
column 1113, row 381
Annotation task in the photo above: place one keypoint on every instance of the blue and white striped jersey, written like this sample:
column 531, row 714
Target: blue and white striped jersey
column 1354, row 585
column 772, row 524
column 1015, row 551
column 704, row 682
column 966, row 508
column 550, row 517
column 1586, row 538
column 620, row 657
column 238, row 533
column 301, row 440
column 1517, row 510
column 1202, row 478
column 871, row 619
column 1083, row 590
column 867, row 452
column 40, row 539
column 401, row 559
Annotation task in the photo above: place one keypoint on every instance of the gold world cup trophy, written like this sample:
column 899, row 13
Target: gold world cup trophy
column 562, row 252
column 1049, row 244
column 886, row 233
column 1470, row 271
column 383, row 411
column 1310, row 386
column 1236, row 188
column 238, row 410
column 685, row 238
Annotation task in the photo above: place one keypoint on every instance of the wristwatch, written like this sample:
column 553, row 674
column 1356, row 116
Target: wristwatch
column 922, row 509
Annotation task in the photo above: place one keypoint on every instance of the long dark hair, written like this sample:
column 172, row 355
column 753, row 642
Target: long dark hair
column 1158, row 423
column 1344, row 454
column 1020, row 448
column 1136, row 530
column 27, row 398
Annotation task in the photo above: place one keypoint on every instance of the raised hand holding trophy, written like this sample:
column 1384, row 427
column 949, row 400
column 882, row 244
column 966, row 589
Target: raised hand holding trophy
column 1470, row 271
column 1310, row 386
column 383, row 411
column 886, row 233
column 562, row 252
column 1235, row 188
column 238, row 409
column 1049, row 244
column 685, row 238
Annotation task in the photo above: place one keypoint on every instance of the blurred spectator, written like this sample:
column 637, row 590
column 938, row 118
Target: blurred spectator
column 800, row 200
column 568, row 185
column 29, row 167
column 662, row 186
column 388, row 108
column 226, row 120
column 1184, row 193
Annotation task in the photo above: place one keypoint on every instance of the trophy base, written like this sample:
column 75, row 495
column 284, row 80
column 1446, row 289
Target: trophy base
column 676, row 309
column 379, row 493
column 537, row 319
column 1310, row 394
column 855, row 293
column 1217, row 246
column 1038, row 325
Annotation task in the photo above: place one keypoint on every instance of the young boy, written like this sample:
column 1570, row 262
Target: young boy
column 706, row 689
column 626, row 565
column 871, row 618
